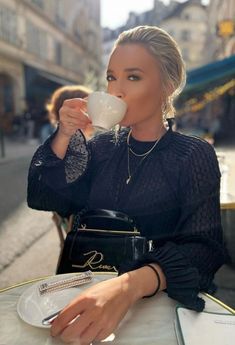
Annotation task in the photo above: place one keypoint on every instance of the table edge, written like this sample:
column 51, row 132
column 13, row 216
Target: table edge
column 227, row 205
column 222, row 304
column 225, row 306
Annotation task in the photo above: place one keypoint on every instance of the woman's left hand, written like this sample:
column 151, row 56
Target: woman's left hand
column 100, row 309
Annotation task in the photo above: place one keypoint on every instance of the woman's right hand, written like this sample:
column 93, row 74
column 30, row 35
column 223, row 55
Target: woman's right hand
column 73, row 116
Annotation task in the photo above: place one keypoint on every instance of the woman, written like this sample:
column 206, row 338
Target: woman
column 167, row 182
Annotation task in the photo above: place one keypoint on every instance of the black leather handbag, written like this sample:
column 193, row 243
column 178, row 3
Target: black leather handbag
column 100, row 241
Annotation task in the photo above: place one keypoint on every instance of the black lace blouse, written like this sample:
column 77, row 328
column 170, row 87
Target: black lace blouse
column 173, row 196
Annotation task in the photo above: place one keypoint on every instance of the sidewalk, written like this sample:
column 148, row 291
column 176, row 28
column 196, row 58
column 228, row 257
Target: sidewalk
column 17, row 148
column 19, row 231
column 39, row 259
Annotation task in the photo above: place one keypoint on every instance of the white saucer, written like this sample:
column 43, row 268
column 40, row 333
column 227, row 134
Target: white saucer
column 33, row 308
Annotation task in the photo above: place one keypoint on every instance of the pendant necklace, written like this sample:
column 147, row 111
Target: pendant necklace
column 128, row 166
column 143, row 155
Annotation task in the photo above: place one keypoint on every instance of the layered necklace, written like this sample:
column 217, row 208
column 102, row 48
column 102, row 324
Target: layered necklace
column 143, row 156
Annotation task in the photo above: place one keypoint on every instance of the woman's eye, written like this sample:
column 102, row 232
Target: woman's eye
column 110, row 78
column 133, row 77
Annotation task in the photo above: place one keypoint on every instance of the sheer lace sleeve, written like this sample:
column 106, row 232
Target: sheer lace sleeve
column 195, row 251
column 52, row 182
column 77, row 157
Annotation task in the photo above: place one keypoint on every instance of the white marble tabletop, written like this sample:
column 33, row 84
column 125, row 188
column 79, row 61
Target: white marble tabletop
column 227, row 186
column 227, row 201
column 150, row 321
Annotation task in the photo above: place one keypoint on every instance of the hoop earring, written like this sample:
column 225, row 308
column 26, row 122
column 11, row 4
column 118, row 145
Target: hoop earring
column 168, row 109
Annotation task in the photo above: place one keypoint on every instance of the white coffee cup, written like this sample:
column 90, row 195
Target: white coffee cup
column 105, row 110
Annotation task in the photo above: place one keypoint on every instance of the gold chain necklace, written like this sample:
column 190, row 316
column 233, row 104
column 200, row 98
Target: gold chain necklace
column 128, row 166
column 143, row 155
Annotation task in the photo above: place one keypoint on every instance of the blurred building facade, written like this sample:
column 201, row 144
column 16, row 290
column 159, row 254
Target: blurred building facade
column 43, row 45
column 221, row 16
column 187, row 22
column 151, row 17
column 207, row 104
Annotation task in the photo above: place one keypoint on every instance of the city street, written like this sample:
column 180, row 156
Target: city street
column 13, row 189
column 29, row 243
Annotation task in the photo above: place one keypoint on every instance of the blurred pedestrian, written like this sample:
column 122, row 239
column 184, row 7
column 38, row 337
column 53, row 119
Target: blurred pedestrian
column 47, row 127
column 57, row 99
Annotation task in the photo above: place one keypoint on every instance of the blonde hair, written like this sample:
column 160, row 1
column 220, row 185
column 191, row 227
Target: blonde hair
column 167, row 53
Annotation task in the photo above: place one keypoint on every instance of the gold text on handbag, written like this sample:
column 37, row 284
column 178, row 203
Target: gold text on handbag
column 94, row 262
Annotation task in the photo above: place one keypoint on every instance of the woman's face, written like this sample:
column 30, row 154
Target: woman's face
column 134, row 76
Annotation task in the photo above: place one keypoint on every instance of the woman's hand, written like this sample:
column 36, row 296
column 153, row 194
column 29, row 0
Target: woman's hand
column 100, row 309
column 73, row 116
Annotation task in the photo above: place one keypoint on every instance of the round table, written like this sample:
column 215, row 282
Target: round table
column 227, row 206
column 227, row 201
column 150, row 321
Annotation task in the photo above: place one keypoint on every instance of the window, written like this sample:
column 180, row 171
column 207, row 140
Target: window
column 8, row 25
column 60, row 11
column 39, row 3
column 58, row 53
column 36, row 40
column 185, row 35
column 187, row 16
column 185, row 53
column 91, row 41
column 6, row 94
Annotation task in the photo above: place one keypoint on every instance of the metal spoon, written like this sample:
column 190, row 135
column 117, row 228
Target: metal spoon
column 49, row 319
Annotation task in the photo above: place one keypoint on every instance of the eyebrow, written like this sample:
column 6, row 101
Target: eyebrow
column 131, row 69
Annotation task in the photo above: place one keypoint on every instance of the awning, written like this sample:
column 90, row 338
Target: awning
column 54, row 78
column 209, row 76
column 205, row 84
column 40, row 85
